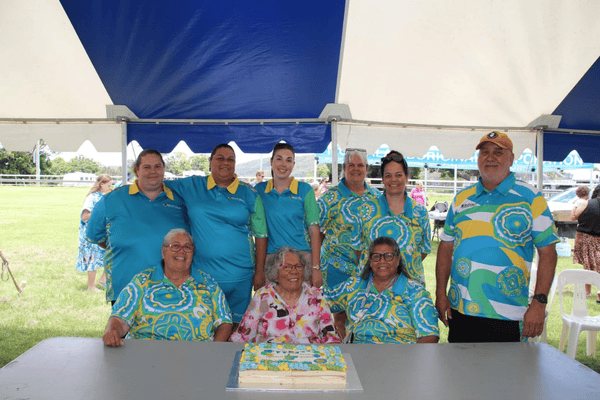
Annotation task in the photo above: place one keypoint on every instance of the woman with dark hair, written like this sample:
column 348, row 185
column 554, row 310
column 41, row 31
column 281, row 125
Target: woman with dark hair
column 291, row 210
column 384, row 305
column 131, row 221
column 587, row 239
column 397, row 216
column 227, row 219
column 288, row 309
column 91, row 256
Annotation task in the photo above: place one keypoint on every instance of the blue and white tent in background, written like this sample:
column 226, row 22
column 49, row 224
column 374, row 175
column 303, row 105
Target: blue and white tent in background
column 434, row 158
column 358, row 73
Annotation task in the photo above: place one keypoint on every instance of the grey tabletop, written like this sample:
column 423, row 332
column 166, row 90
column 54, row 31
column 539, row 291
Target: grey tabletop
column 83, row 368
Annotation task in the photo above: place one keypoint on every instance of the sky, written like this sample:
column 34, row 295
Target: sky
column 88, row 150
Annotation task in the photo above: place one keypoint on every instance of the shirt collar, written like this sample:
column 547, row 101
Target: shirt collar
column 158, row 275
column 347, row 192
column 503, row 188
column 134, row 189
column 293, row 186
column 232, row 188
column 408, row 205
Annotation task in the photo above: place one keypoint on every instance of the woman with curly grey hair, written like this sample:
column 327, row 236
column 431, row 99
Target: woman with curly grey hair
column 287, row 309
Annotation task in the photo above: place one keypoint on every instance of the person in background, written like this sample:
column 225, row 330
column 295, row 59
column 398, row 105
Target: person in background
column 131, row 222
column 170, row 301
column 587, row 239
column 399, row 217
column 486, row 249
column 383, row 304
column 130, row 177
column 91, row 256
column 260, row 176
column 291, row 210
column 228, row 221
column 583, row 194
column 288, row 309
column 418, row 194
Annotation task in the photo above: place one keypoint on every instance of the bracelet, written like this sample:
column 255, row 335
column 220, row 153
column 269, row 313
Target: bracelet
column 317, row 267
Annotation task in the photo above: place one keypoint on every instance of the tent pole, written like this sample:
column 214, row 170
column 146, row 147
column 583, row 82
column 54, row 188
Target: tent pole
column 37, row 163
column 124, row 151
column 334, row 153
column 540, row 159
column 455, row 178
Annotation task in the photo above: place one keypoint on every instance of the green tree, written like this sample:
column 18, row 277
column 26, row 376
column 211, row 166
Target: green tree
column 21, row 163
column 177, row 163
column 79, row 164
column 323, row 171
column 199, row 163
column 415, row 173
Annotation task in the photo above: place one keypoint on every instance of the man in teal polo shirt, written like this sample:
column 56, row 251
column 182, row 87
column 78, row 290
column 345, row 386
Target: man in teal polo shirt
column 487, row 248
column 132, row 221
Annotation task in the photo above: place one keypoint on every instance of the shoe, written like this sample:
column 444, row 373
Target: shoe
column 598, row 301
column 101, row 285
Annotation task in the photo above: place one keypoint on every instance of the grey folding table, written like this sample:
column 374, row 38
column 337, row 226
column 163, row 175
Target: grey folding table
column 83, row 368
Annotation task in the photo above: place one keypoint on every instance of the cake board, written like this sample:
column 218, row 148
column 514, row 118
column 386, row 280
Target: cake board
column 352, row 381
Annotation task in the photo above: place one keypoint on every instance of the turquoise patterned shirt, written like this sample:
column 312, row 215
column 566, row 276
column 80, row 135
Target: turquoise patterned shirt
column 410, row 229
column 154, row 308
column 401, row 314
column 342, row 213
column 494, row 236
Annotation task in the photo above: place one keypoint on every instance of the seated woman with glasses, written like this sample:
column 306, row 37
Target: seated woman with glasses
column 384, row 305
column 396, row 215
column 288, row 309
column 170, row 301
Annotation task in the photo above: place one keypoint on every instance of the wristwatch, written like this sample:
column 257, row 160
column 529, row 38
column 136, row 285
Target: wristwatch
column 541, row 298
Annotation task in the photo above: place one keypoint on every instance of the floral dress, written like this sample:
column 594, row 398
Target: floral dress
column 270, row 319
column 91, row 256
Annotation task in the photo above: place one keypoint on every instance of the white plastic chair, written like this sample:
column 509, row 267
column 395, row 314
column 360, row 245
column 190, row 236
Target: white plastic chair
column 533, row 273
column 579, row 320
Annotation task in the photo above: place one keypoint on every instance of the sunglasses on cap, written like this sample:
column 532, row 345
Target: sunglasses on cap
column 349, row 150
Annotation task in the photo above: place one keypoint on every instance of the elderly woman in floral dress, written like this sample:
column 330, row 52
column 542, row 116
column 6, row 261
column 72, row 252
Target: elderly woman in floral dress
column 287, row 310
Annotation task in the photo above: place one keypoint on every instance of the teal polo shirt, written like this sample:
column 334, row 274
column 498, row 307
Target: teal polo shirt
column 289, row 214
column 223, row 221
column 133, row 227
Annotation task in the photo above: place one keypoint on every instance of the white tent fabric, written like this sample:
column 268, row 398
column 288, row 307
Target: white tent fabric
column 460, row 67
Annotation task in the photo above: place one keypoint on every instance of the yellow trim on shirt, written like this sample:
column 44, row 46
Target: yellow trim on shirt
column 293, row 186
column 210, row 183
column 134, row 189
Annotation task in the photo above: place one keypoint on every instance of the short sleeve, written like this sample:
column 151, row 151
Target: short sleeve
column 258, row 219
column 311, row 209
column 96, row 227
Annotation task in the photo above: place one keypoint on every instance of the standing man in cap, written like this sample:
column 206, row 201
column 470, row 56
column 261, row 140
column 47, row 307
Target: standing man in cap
column 486, row 251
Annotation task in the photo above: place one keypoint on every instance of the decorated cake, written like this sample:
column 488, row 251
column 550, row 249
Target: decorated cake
column 292, row 366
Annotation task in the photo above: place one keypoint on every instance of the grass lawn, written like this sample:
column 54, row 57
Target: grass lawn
column 39, row 229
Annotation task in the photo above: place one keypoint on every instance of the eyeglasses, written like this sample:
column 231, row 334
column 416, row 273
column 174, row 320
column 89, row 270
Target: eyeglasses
column 386, row 256
column 399, row 158
column 349, row 150
column 290, row 267
column 176, row 247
